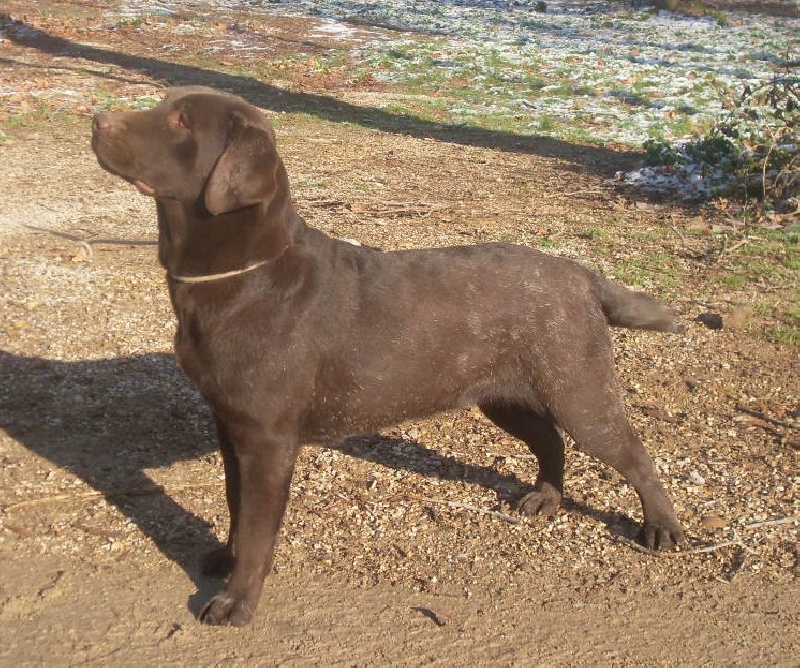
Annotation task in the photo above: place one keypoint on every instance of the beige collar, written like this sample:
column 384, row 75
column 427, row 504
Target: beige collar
column 206, row 278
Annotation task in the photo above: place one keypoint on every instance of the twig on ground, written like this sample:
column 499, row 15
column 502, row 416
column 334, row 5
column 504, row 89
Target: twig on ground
column 717, row 546
column 768, row 523
column 99, row 531
column 588, row 191
column 695, row 550
column 733, row 247
column 21, row 531
column 506, row 455
column 640, row 548
column 402, row 208
column 767, row 418
column 139, row 491
column 396, row 207
column 680, row 234
column 136, row 491
column 713, row 546
column 322, row 203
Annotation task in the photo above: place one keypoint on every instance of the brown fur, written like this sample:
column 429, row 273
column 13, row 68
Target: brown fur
column 326, row 339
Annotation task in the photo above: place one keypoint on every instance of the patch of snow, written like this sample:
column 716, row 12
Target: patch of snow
column 335, row 28
column 621, row 74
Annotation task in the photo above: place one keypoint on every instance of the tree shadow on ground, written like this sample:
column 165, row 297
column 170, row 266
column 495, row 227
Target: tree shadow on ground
column 578, row 157
column 109, row 421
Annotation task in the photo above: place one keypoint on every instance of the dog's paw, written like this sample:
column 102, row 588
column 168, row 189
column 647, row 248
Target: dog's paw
column 218, row 563
column 226, row 610
column 661, row 536
column 543, row 500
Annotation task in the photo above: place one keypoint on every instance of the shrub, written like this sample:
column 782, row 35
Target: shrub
column 753, row 146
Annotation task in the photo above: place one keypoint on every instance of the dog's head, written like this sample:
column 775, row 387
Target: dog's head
column 196, row 145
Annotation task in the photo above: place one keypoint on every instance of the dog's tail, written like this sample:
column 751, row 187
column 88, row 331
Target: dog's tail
column 635, row 310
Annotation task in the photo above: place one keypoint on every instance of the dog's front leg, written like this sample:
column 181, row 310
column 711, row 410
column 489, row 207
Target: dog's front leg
column 219, row 562
column 264, row 463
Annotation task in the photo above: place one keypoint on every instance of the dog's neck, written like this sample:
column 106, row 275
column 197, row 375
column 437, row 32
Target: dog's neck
column 192, row 242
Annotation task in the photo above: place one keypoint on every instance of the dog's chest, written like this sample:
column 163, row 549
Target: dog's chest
column 194, row 345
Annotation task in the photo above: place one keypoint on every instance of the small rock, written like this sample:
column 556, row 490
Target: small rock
column 696, row 478
column 713, row 522
column 710, row 320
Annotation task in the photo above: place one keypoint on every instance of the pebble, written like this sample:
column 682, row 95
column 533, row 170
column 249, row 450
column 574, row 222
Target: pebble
column 710, row 320
column 696, row 478
column 713, row 522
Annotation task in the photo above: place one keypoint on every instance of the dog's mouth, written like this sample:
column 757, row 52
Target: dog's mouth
column 102, row 153
column 142, row 187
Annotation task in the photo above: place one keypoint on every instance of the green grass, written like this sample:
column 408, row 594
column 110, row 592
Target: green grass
column 598, row 235
column 770, row 259
column 35, row 119
column 730, row 280
column 656, row 268
column 783, row 322
column 784, row 334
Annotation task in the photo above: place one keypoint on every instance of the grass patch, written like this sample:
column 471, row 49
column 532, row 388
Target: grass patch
column 783, row 322
column 656, row 268
column 784, row 334
column 37, row 118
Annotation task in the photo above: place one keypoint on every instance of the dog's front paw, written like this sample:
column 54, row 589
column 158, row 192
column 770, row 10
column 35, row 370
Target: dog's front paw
column 218, row 563
column 661, row 535
column 226, row 610
column 543, row 500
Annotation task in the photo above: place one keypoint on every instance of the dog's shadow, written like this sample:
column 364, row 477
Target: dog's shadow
column 409, row 455
column 109, row 421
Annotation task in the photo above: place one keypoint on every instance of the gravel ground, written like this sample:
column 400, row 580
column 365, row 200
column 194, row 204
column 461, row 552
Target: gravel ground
column 398, row 547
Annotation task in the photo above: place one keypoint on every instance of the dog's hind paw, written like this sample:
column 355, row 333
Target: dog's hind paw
column 543, row 500
column 225, row 610
column 662, row 536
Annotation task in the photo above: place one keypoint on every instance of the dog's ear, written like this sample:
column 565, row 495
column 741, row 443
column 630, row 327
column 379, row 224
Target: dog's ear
column 246, row 172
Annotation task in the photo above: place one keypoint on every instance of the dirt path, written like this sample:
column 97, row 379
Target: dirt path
column 63, row 611
column 111, row 489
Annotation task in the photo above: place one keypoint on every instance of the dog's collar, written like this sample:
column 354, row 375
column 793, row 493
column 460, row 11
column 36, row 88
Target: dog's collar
column 206, row 278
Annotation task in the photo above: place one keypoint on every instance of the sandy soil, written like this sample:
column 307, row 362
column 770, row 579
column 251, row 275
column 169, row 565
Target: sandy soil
column 398, row 548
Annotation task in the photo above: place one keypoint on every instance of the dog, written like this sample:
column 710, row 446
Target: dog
column 294, row 337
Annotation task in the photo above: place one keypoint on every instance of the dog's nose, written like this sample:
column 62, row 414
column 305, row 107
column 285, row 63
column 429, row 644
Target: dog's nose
column 102, row 121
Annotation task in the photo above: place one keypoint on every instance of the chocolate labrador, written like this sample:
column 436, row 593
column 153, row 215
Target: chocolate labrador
column 294, row 337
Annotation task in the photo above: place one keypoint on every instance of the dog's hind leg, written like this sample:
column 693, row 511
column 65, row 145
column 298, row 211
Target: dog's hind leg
column 544, row 441
column 593, row 414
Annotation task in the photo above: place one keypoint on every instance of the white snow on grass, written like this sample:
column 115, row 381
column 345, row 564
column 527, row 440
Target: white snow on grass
column 625, row 73
column 581, row 71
